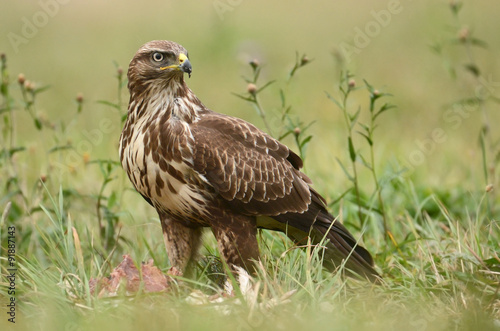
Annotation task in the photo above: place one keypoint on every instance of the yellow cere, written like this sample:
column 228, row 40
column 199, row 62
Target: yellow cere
column 182, row 58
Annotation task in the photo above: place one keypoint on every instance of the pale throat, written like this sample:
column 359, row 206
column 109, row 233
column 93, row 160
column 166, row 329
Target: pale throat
column 174, row 98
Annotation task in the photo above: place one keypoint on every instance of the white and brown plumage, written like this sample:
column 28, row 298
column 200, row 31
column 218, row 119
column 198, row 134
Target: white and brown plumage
column 198, row 169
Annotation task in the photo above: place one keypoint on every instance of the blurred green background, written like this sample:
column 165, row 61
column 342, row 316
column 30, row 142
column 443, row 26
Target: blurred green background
column 72, row 46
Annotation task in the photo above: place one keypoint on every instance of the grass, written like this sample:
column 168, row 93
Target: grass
column 437, row 246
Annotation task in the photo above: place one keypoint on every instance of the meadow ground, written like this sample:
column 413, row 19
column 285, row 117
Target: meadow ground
column 395, row 109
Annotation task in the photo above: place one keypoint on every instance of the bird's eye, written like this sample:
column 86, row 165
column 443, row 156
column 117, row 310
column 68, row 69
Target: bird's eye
column 158, row 57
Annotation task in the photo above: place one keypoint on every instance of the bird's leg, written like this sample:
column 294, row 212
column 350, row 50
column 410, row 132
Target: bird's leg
column 182, row 243
column 237, row 240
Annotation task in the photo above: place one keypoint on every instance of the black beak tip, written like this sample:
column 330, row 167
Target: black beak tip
column 186, row 67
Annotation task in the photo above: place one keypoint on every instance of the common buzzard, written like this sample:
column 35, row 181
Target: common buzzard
column 199, row 168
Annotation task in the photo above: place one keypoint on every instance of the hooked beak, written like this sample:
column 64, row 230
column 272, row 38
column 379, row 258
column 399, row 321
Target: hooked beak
column 184, row 65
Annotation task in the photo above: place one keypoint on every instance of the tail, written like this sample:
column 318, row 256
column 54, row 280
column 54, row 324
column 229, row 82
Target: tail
column 318, row 224
column 341, row 246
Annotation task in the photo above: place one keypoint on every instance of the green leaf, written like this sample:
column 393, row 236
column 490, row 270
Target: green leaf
column 249, row 99
column 334, row 100
column 256, row 74
column 308, row 126
column 348, row 175
column 4, row 89
column 483, row 154
column 282, row 97
column 352, row 152
column 287, row 133
column 334, row 202
column 41, row 89
column 451, row 71
column 382, row 109
column 4, row 153
column 471, row 67
column 368, row 139
column 479, row 43
column 60, row 148
column 247, row 80
column 112, row 200
column 466, row 102
column 493, row 264
column 38, row 124
column 108, row 103
column 365, row 127
column 14, row 150
column 61, row 203
column 284, row 114
column 305, row 141
column 437, row 48
column 265, row 85
column 368, row 86
column 364, row 162
column 354, row 117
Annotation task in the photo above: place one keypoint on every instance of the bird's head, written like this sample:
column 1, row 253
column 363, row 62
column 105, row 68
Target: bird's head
column 159, row 61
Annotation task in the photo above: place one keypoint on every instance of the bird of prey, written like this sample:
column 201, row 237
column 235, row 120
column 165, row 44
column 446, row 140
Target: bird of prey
column 199, row 168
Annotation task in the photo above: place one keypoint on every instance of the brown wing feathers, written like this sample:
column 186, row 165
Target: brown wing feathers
column 247, row 167
column 257, row 175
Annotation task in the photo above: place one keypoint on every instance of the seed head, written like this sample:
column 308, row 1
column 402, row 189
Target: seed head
column 351, row 83
column 297, row 131
column 79, row 97
column 29, row 86
column 21, row 79
column 489, row 188
column 454, row 5
column 464, row 34
column 252, row 88
column 254, row 64
column 305, row 60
